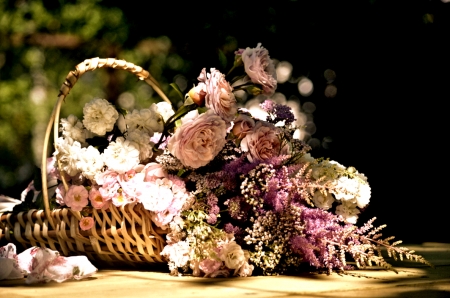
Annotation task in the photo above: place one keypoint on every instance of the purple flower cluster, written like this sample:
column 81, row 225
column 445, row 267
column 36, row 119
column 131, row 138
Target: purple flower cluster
column 213, row 209
column 278, row 112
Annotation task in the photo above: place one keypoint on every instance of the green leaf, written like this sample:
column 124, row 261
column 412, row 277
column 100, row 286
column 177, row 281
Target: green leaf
column 181, row 172
column 202, row 110
column 184, row 109
column 177, row 89
column 188, row 101
column 53, row 204
column 222, row 59
column 40, row 201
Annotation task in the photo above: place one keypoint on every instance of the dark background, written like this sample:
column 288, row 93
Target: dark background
column 392, row 76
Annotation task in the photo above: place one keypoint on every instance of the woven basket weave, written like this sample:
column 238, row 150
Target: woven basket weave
column 126, row 235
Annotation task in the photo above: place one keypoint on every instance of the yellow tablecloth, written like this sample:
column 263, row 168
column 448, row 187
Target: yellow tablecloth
column 412, row 280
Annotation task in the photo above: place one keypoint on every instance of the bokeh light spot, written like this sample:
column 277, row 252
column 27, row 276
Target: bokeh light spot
column 329, row 75
column 38, row 94
column 309, row 107
column 310, row 127
column 279, row 98
column 314, row 143
column 284, row 71
column 330, row 91
column 126, row 101
column 305, row 87
column 326, row 142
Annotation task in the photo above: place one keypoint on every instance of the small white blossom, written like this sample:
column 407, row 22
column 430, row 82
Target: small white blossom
column 99, row 116
column 363, row 196
column 90, row 162
column 346, row 188
column 67, row 152
column 307, row 158
column 323, row 201
column 178, row 253
column 165, row 110
column 329, row 169
column 348, row 211
column 72, row 128
column 145, row 120
column 121, row 155
column 142, row 139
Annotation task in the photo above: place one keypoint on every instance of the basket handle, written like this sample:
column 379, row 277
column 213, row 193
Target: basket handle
column 71, row 79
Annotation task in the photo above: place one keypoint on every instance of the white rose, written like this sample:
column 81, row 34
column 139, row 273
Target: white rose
column 121, row 155
column 165, row 110
column 99, row 116
column 322, row 201
column 363, row 197
column 232, row 255
column 348, row 211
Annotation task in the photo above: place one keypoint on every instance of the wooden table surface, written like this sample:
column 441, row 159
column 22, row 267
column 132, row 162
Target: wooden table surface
column 412, row 280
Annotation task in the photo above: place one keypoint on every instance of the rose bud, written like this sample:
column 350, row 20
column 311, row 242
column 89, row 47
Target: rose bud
column 197, row 94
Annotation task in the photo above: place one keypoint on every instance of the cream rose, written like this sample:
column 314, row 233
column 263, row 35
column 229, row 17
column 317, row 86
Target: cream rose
column 323, row 201
column 242, row 125
column 260, row 68
column 232, row 255
column 199, row 138
column 153, row 171
column 219, row 95
column 99, row 116
column 263, row 142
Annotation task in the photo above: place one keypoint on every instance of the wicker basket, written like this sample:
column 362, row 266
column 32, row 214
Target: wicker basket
column 123, row 235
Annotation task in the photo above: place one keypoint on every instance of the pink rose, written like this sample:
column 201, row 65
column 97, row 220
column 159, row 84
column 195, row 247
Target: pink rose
column 198, row 93
column 259, row 67
column 209, row 266
column 96, row 199
column 106, row 178
column 199, row 138
column 76, row 197
column 263, row 142
column 242, row 125
column 86, row 223
column 153, row 171
column 219, row 94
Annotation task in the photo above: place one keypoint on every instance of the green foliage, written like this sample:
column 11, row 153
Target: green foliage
column 40, row 42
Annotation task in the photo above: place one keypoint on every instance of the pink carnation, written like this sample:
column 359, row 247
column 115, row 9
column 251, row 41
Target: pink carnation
column 199, row 139
column 263, row 142
column 219, row 94
column 259, row 67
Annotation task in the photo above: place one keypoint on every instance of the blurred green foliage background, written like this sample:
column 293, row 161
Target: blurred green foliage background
column 40, row 42
column 390, row 60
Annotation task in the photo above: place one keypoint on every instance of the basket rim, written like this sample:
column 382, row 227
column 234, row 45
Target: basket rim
column 70, row 81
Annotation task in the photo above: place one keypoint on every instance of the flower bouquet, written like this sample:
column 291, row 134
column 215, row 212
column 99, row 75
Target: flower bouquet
column 224, row 192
